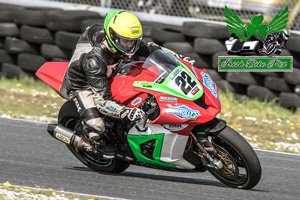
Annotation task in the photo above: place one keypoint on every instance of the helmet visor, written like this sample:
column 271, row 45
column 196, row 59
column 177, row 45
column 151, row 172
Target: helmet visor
column 128, row 45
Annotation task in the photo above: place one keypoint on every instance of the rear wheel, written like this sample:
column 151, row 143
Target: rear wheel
column 69, row 117
column 241, row 167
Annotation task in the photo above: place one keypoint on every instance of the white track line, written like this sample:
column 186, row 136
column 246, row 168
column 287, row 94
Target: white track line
column 71, row 193
column 292, row 154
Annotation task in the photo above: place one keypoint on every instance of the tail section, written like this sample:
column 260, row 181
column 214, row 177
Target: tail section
column 52, row 73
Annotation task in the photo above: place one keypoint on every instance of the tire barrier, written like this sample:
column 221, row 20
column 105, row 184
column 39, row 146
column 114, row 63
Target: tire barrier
column 30, row 36
column 262, row 93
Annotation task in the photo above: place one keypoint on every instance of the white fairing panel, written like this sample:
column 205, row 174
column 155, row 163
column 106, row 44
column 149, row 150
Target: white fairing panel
column 173, row 145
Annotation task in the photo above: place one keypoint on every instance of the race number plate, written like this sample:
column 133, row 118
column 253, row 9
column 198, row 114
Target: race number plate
column 183, row 83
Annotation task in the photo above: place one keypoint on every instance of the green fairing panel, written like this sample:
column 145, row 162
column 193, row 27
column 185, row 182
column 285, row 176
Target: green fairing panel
column 136, row 140
column 163, row 88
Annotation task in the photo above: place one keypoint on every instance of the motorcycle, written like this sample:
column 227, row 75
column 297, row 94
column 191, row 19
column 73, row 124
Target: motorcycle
column 180, row 132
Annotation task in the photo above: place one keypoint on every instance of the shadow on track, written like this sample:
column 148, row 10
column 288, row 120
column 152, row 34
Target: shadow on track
column 158, row 177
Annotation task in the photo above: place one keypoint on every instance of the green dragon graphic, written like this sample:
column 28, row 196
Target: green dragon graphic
column 244, row 32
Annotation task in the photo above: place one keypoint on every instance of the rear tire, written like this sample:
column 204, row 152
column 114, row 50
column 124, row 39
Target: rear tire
column 69, row 117
column 241, row 155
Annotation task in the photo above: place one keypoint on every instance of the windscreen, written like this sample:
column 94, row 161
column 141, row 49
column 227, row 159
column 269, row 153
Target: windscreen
column 160, row 63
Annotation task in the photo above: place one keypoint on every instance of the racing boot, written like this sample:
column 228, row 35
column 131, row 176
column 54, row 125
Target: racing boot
column 93, row 135
column 97, row 140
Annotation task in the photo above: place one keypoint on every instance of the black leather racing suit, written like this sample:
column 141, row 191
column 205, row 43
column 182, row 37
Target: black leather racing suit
column 86, row 81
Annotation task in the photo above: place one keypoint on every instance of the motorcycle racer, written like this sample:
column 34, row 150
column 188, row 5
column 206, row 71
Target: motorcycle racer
column 96, row 57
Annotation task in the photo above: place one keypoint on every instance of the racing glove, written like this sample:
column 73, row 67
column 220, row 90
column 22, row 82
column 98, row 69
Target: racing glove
column 134, row 115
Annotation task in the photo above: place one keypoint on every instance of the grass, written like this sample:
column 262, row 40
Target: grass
column 18, row 192
column 26, row 85
column 265, row 125
column 29, row 98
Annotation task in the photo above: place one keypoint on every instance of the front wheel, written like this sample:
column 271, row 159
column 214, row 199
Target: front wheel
column 241, row 167
column 69, row 117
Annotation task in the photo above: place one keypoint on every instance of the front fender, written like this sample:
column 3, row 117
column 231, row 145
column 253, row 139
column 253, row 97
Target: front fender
column 211, row 128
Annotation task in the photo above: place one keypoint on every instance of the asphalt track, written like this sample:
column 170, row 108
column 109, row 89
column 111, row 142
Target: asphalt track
column 30, row 157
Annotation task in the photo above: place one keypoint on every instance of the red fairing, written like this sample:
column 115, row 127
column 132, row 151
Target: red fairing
column 123, row 91
column 122, row 83
column 52, row 73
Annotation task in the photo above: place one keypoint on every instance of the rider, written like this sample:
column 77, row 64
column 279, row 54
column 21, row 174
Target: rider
column 97, row 54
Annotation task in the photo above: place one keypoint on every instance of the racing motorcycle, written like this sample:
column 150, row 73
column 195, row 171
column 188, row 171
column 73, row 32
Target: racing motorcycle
column 180, row 132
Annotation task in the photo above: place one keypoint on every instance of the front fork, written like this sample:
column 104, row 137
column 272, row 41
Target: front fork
column 208, row 159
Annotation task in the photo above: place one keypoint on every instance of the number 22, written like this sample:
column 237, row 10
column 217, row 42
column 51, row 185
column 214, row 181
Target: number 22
column 184, row 81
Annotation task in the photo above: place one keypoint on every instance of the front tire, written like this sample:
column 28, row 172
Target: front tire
column 69, row 117
column 241, row 168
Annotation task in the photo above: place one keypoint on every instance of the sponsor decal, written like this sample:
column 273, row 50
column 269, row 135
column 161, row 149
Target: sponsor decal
column 175, row 73
column 195, row 91
column 175, row 127
column 168, row 99
column 135, row 31
column 112, row 107
column 136, row 101
column 146, row 84
column 209, row 84
column 183, row 112
column 62, row 138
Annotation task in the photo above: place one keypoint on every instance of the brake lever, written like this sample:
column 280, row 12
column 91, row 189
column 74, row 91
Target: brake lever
column 148, row 113
column 145, row 128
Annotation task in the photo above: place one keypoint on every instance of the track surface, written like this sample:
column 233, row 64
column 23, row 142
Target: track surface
column 30, row 156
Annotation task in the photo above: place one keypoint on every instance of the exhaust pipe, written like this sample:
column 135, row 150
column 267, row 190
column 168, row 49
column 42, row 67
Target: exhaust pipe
column 67, row 136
